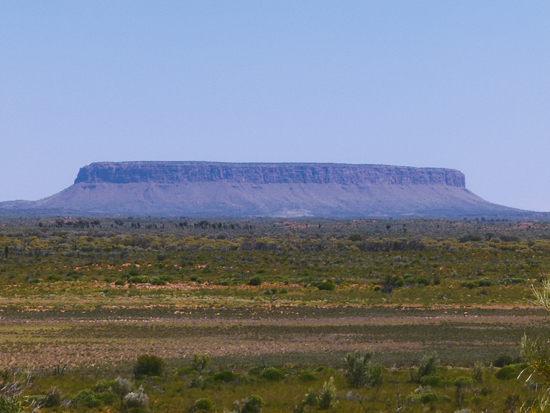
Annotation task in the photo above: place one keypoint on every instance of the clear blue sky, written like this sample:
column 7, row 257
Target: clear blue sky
column 455, row 84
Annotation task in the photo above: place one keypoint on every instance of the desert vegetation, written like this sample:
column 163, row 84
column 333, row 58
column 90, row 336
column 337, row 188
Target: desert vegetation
column 169, row 315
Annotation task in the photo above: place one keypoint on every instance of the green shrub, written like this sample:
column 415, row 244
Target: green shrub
column 461, row 383
column 148, row 366
column 505, row 360
column 432, row 380
column 200, row 362
column 186, row 371
column 256, row 370
column 103, row 386
column 307, row 377
column 120, row 282
column 470, row 284
column 136, row 400
column 426, row 396
column 204, row 405
column 510, row 372
column 323, row 398
column 428, row 365
column 429, row 396
column 326, row 286
column 272, row 374
column 255, row 281
column 11, row 404
column 327, row 395
column 197, row 382
column 138, row 280
column 359, row 371
column 54, row 277
column 106, row 397
column 87, row 398
column 121, row 387
column 477, row 373
column 252, row 404
column 225, row 376
column 53, row 398
column 157, row 281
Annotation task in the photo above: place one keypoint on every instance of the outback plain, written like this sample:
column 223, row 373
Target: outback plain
column 178, row 315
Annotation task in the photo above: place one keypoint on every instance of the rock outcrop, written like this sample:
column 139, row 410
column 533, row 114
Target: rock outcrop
column 271, row 190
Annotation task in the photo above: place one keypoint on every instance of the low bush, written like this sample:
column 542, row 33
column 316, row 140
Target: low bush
column 255, row 281
column 121, row 387
column 477, row 373
column 272, row 374
column 103, row 385
column 224, row 376
column 323, row 398
column 428, row 365
column 326, row 286
column 307, row 377
column 87, row 398
column 359, row 371
column 53, row 397
column 148, row 366
column 510, row 372
column 505, row 360
column 432, row 380
column 138, row 280
column 136, row 400
column 426, row 396
column 203, row 405
column 200, row 362
column 252, row 404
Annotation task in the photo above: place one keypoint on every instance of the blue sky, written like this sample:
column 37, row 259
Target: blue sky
column 455, row 84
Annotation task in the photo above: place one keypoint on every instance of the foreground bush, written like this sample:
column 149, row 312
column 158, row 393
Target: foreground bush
column 252, row 404
column 360, row 372
column 136, row 400
column 10, row 404
column 428, row 365
column 204, row 405
column 148, row 366
column 323, row 398
column 200, row 362
column 120, row 387
column 272, row 374
column 87, row 398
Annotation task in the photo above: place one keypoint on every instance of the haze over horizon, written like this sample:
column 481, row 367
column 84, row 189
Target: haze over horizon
column 459, row 85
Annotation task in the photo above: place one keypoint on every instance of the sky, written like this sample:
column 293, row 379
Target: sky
column 455, row 84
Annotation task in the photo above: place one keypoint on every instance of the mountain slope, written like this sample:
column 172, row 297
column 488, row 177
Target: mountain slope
column 272, row 190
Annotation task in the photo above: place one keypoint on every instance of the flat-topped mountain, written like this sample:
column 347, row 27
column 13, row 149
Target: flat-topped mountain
column 266, row 189
column 264, row 173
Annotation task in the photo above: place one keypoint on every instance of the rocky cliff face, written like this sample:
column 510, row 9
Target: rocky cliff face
column 267, row 190
column 258, row 173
